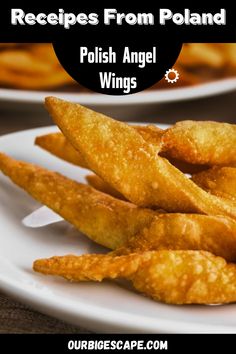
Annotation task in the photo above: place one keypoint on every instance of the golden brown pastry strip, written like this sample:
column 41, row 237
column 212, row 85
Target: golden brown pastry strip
column 114, row 223
column 220, row 181
column 106, row 220
column 178, row 277
column 99, row 184
column 58, row 145
column 188, row 232
column 203, row 143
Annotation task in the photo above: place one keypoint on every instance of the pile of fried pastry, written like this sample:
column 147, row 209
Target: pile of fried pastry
column 163, row 202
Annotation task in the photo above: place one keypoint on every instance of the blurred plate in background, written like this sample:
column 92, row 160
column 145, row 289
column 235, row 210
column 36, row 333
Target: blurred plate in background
column 146, row 97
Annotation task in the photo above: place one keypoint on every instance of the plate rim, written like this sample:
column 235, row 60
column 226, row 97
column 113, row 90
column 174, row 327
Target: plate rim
column 151, row 96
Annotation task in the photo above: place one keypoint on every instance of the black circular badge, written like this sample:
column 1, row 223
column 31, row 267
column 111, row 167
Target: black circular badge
column 117, row 60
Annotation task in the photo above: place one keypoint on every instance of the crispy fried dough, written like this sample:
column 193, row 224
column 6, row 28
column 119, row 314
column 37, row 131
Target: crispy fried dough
column 90, row 267
column 220, row 181
column 120, row 156
column 151, row 134
column 106, row 220
column 58, row 145
column 99, row 184
column 178, row 277
column 215, row 234
column 203, row 143
column 114, row 223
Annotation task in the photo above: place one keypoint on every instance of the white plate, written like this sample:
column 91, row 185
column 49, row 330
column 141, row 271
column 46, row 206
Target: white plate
column 97, row 306
column 145, row 97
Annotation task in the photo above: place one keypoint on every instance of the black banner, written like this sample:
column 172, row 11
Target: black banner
column 179, row 21
column 110, row 343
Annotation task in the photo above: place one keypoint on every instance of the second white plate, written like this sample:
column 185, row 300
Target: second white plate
column 146, row 97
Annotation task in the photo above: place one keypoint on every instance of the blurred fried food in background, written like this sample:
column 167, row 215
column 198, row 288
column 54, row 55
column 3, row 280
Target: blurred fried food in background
column 202, row 62
column 35, row 66
column 31, row 66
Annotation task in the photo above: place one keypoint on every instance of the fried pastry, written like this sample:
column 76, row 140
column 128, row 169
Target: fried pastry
column 114, row 223
column 58, row 145
column 99, row 184
column 176, row 277
column 106, row 220
column 203, row 143
column 220, row 181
